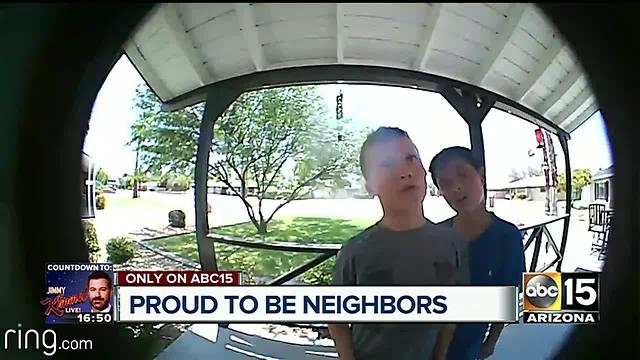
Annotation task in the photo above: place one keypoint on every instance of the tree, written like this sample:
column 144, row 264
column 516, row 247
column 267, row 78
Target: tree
column 101, row 177
column 164, row 141
column 279, row 139
column 175, row 182
column 266, row 132
column 579, row 179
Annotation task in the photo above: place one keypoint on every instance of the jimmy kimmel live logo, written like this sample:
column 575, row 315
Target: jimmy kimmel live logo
column 568, row 298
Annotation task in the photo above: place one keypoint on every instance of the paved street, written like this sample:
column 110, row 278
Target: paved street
column 124, row 215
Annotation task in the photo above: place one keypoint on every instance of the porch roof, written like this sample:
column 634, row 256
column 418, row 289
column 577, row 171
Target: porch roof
column 507, row 49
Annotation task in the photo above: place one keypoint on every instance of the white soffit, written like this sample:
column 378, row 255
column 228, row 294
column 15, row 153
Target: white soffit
column 509, row 49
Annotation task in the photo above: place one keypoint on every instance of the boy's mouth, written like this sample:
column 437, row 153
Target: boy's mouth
column 409, row 188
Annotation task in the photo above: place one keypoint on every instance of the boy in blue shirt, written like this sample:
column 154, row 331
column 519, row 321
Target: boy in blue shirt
column 493, row 246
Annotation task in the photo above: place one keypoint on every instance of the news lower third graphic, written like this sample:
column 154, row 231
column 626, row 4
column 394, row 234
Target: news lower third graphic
column 566, row 298
column 78, row 293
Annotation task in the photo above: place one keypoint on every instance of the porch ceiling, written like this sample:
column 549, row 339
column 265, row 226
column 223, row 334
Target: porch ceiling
column 508, row 49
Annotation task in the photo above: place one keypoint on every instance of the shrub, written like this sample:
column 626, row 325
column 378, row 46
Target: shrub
column 120, row 249
column 521, row 196
column 91, row 239
column 175, row 182
column 101, row 201
column 177, row 218
column 245, row 263
column 321, row 274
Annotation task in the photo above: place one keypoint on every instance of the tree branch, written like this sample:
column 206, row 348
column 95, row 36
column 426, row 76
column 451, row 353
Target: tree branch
column 247, row 205
column 294, row 193
column 287, row 153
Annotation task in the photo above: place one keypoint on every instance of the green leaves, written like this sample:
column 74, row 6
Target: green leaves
column 579, row 179
column 279, row 139
column 102, row 177
column 166, row 141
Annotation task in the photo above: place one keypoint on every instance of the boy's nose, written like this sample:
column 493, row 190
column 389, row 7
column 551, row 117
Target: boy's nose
column 406, row 175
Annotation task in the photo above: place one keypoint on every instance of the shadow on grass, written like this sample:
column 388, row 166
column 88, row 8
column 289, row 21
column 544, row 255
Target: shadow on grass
column 267, row 262
column 298, row 229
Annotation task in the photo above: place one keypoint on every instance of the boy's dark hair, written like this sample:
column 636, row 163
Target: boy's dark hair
column 99, row 275
column 380, row 135
column 450, row 153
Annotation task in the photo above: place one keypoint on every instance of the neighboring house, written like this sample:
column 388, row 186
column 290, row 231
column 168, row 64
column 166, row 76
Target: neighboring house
column 601, row 190
column 532, row 187
column 218, row 187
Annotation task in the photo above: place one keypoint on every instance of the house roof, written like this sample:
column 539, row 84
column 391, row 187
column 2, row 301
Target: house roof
column 603, row 173
column 510, row 50
column 528, row 182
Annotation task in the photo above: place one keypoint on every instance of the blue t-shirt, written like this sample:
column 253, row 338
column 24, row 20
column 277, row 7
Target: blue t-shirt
column 495, row 258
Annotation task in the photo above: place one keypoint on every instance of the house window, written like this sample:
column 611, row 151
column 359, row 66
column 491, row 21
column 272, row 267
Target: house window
column 541, row 189
column 602, row 191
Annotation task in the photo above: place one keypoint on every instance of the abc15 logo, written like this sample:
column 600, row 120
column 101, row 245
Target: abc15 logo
column 554, row 291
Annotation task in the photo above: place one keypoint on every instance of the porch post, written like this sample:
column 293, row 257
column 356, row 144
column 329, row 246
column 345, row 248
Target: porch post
column 473, row 108
column 568, row 194
column 218, row 100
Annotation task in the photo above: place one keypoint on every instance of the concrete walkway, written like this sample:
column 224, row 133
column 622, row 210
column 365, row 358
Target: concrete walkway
column 208, row 341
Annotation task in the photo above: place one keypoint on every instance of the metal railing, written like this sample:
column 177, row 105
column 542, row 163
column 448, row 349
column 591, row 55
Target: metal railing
column 537, row 231
column 533, row 234
column 325, row 251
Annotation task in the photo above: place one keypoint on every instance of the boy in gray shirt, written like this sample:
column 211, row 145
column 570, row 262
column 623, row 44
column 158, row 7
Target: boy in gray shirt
column 403, row 248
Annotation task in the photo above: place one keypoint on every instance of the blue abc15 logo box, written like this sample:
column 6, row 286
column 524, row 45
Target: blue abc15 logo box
column 561, row 297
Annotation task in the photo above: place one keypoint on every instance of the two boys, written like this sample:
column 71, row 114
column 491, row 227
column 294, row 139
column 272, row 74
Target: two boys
column 403, row 248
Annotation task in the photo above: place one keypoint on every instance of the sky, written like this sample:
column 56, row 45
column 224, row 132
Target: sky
column 430, row 121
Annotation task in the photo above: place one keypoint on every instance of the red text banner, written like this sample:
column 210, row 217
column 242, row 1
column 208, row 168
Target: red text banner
column 179, row 278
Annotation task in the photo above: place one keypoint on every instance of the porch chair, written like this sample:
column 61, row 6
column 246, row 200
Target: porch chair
column 597, row 217
column 597, row 225
column 602, row 253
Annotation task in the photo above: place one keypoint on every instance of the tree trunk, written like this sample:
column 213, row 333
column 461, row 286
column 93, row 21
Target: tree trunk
column 262, row 227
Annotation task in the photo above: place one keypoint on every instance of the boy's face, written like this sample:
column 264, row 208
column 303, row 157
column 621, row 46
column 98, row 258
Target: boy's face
column 461, row 185
column 395, row 174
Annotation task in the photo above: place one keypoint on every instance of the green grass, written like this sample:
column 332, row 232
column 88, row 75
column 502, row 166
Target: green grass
column 268, row 262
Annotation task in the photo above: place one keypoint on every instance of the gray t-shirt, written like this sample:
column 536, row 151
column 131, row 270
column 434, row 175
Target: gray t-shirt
column 426, row 256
